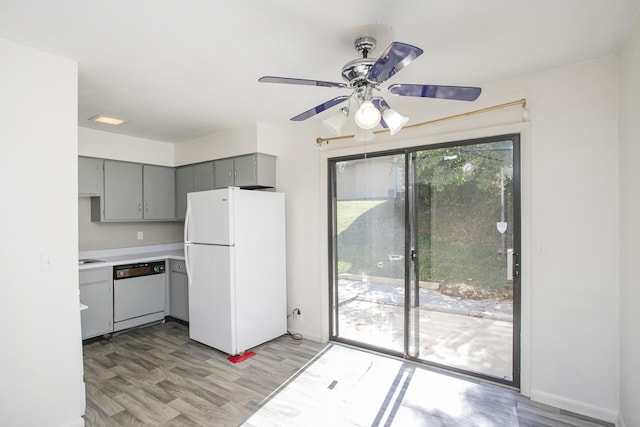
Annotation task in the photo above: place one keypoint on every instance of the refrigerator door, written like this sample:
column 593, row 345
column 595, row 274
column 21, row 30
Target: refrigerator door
column 211, row 297
column 260, row 267
column 209, row 217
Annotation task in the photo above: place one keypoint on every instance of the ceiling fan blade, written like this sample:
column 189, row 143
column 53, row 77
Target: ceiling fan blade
column 292, row 81
column 393, row 59
column 319, row 108
column 381, row 105
column 459, row 93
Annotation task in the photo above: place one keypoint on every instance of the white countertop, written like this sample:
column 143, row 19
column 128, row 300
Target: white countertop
column 111, row 257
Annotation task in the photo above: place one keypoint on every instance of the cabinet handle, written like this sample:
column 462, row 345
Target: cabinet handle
column 229, row 174
column 140, row 206
column 146, row 206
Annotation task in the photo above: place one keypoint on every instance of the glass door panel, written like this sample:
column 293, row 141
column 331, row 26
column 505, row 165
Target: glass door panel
column 368, row 251
column 463, row 236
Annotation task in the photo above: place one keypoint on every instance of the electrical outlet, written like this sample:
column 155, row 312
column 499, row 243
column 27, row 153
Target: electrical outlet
column 140, row 235
column 297, row 314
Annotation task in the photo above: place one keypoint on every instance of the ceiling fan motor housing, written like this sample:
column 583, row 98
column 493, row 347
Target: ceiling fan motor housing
column 355, row 72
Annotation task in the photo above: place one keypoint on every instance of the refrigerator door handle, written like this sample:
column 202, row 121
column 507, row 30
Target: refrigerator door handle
column 187, row 215
column 186, row 262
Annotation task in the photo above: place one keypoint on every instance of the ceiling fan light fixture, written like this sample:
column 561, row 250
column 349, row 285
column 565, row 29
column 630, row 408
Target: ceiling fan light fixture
column 336, row 121
column 364, row 135
column 367, row 116
column 394, row 120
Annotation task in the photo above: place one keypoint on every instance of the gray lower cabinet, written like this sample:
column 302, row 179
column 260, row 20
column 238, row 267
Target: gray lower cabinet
column 134, row 192
column 197, row 177
column 179, row 290
column 256, row 170
column 96, row 292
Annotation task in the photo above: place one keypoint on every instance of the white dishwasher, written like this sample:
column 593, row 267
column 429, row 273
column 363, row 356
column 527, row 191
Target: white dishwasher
column 138, row 294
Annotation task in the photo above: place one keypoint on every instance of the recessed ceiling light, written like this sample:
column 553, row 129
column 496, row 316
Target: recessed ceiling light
column 106, row 120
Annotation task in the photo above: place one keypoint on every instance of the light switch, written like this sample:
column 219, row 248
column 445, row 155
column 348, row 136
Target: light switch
column 140, row 235
column 46, row 263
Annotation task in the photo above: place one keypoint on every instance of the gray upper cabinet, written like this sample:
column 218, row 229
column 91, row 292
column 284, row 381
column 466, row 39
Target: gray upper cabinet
column 198, row 177
column 89, row 171
column 184, row 185
column 158, row 192
column 249, row 171
column 127, row 191
column 122, row 191
column 203, row 177
column 224, row 172
column 134, row 192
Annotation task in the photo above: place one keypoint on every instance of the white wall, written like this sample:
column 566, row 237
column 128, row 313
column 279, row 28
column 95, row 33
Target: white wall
column 630, row 235
column 228, row 143
column 112, row 235
column 570, row 225
column 109, row 145
column 575, row 223
column 41, row 357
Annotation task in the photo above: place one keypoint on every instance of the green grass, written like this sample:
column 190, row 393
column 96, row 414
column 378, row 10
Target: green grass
column 349, row 211
column 456, row 249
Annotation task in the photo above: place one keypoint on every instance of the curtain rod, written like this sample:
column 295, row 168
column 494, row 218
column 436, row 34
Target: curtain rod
column 522, row 102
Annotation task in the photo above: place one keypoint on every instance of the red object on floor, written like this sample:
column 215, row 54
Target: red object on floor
column 240, row 357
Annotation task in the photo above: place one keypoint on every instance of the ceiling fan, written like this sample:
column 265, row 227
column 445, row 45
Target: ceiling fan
column 364, row 77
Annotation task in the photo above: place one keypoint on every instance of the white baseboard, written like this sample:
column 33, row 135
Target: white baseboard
column 620, row 422
column 306, row 335
column 76, row 423
column 581, row 408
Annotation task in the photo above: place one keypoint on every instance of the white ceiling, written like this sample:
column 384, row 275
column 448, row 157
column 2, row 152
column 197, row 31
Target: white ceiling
column 179, row 69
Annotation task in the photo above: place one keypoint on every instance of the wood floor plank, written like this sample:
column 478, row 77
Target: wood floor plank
column 144, row 409
column 126, row 419
column 102, row 401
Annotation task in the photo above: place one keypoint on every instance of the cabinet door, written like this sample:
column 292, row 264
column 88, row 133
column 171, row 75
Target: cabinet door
column 98, row 318
column 223, row 170
column 122, row 190
column 184, row 185
column 245, row 170
column 203, row 178
column 88, row 176
column 159, row 192
column 179, row 291
column 265, row 170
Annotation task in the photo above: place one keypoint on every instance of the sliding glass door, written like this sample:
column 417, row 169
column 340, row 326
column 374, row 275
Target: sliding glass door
column 369, row 245
column 424, row 255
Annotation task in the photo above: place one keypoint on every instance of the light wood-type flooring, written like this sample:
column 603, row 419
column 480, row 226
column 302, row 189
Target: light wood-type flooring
column 157, row 376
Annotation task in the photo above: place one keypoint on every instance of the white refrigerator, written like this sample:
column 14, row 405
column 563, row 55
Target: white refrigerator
column 236, row 266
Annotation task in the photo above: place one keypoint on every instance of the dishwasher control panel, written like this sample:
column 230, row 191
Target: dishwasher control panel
column 128, row 271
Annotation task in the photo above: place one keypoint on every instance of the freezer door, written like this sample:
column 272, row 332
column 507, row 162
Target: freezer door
column 209, row 217
column 211, row 300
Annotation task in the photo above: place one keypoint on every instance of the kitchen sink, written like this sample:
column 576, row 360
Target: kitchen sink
column 89, row 261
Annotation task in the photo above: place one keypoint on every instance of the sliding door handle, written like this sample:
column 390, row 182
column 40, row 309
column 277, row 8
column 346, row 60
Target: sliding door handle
column 513, row 264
